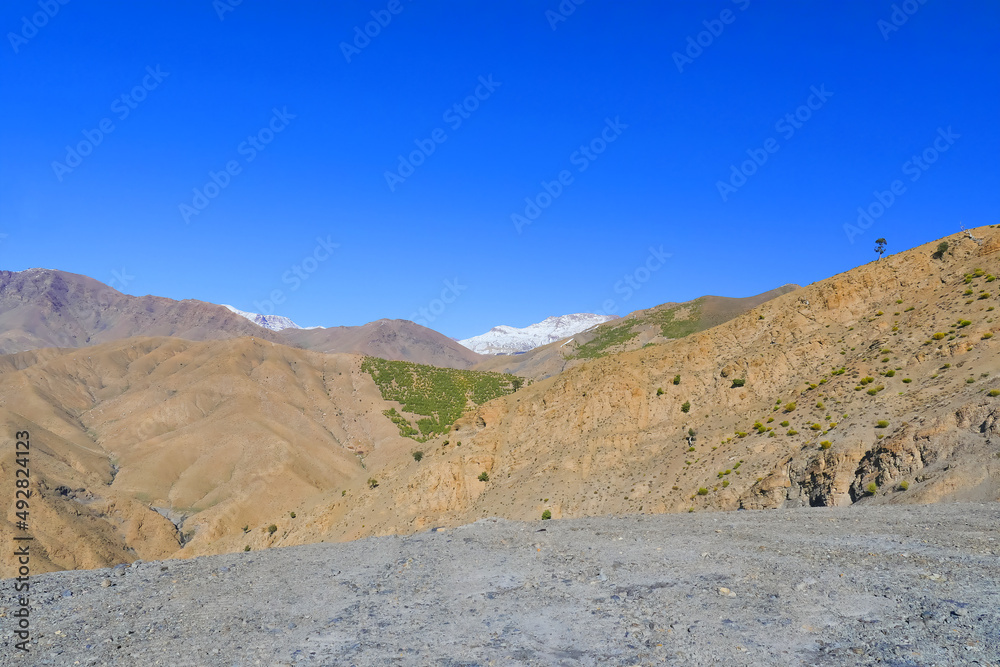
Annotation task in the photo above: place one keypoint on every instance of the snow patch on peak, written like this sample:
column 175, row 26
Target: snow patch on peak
column 504, row 339
column 272, row 322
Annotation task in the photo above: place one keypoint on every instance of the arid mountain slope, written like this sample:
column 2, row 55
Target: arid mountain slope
column 834, row 393
column 611, row 435
column 44, row 308
column 212, row 435
column 399, row 340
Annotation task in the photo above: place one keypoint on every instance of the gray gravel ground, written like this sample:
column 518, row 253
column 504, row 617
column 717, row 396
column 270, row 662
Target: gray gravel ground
column 900, row 586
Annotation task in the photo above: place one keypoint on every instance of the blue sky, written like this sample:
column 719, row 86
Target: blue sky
column 238, row 152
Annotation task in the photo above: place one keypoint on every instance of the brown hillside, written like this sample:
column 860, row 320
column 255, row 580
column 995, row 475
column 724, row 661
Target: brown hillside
column 45, row 308
column 213, row 436
column 602, row 438
column 399, row 340
column 225, row 434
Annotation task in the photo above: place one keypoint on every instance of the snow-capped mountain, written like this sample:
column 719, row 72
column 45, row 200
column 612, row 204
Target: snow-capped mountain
column 272, row 322
column 510, row 340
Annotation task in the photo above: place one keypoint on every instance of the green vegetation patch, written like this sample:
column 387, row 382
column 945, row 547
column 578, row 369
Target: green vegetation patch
column 609, row 336
column 438, row 395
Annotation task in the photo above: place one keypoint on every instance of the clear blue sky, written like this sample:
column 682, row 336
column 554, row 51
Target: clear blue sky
column 343, row 119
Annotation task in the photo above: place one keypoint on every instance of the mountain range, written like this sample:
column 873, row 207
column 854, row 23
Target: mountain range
column 48, row 308
column 168, row 428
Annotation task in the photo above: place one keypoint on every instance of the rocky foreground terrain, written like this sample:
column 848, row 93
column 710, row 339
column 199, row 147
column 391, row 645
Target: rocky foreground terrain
column 890, row 585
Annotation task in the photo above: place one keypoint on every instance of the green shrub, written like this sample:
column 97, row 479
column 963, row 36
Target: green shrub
column 246, row 529
column 659, row 391
column 725, row 483
column 987, row 335
column 546, row 515
column 970, row 380
column 272, row 529
column 904, row 485
column 939, row 335
column 816, row 427
column 372, row 482
column 792, row 431
column 784, row 424
column 993, row 392
column 872, row 488
column 417, row 455
column 677, row 379
column 246, row 548
column 702, row 491
column 881, row 423
column 907, row 380
column 686, row 406
column 909, row 309
column 890, row 373
column 483, row 477
column 291, row 514
column 941, row 249
column 963, row 323
column 738, row 382
column 789, row 407
column 826, row 444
